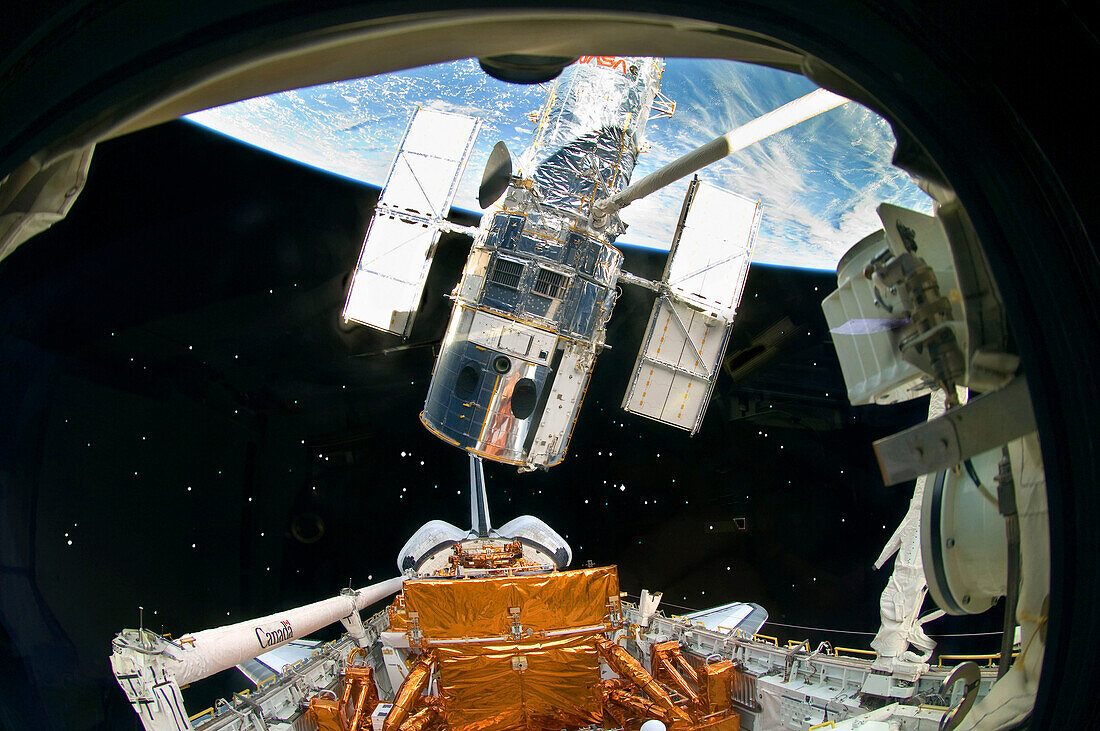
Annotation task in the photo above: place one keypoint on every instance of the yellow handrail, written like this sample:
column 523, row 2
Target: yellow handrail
column 767, row 638
column 991, row 659
column 854, row 650
column 200, row 714
column 827, row 724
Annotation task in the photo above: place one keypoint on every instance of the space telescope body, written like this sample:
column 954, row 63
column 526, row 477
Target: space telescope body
column 529, row 320
column 531, row 309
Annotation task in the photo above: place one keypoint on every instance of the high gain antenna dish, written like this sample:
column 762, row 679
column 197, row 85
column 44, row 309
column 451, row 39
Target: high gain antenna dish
column 498, row 172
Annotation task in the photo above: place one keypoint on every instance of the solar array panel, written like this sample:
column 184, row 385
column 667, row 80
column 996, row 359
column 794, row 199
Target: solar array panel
column 388, row 282
column 689, row 326
column 709, row 259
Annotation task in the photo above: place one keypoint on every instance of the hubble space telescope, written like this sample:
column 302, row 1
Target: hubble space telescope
column 531, row 309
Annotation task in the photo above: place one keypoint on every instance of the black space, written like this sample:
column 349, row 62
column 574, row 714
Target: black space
column 176, row 373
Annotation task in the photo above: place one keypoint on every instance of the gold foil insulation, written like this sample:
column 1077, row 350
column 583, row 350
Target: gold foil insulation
column 399, row 620
column 536, row 684
column 715, row 685
column 701, row 703
column 359, row 699
column 636, row 705
column 363, row 695
column 488, row 556
column 623, row 663
column 516, row 652
column 482, row 608
column 430, row 716
column 523, row 652
column 326, row 713
column 667, row 664
column 409, row 694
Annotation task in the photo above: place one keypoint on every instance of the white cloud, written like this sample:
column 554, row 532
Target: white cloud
column 819, row 182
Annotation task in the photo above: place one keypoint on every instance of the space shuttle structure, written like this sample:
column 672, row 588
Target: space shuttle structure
column 531, row 309
column 490, row 629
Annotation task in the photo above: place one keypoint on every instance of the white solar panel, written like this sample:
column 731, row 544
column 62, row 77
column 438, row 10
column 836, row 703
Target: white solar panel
column 710, row 255
column 689, row 326
column 388, row 281
column 677, row 365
